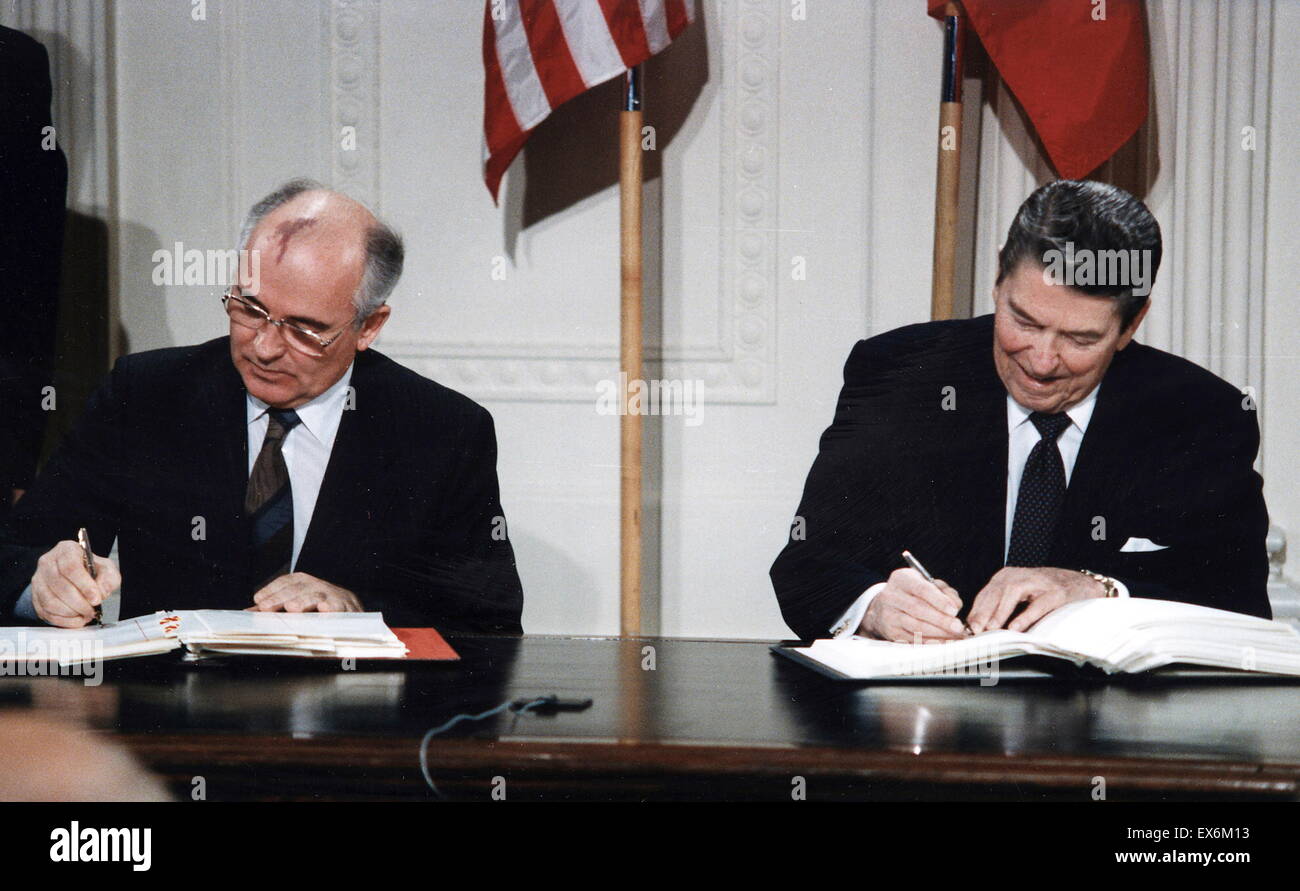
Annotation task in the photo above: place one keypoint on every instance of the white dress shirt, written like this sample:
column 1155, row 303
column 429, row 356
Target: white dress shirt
column 1022, row 436
column 306, row 449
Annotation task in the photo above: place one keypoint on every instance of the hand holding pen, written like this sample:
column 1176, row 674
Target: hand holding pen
column 925, row 574
column 71, row 583
column 912, row 606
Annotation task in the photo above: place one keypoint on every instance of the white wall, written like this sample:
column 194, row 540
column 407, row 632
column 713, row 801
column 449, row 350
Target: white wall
column 809, row 139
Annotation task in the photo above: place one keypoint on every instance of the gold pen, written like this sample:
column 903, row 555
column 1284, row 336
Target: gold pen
column 83, row 539
column 925, row 574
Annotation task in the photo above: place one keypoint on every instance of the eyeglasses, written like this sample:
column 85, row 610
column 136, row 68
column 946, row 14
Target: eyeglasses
column 247, row 314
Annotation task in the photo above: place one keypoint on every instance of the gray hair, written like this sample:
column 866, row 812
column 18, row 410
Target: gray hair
column 384, row 250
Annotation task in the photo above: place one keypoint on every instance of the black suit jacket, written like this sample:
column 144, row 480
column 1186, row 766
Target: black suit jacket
column 1167, row 456
column 33, row 189
column 408, row 517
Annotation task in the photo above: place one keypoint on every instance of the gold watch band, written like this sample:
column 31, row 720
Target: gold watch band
column 1112, row 589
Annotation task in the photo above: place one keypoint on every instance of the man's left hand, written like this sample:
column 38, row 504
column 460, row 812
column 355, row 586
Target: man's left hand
column 299, row 592
column 1041, row 588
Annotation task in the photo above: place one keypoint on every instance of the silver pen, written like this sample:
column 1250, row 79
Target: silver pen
column 925, row 574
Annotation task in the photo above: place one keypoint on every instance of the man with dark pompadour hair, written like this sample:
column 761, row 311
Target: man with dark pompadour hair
column 1033, row 457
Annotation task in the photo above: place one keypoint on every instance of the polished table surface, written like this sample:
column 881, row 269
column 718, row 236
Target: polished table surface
column 678, row 719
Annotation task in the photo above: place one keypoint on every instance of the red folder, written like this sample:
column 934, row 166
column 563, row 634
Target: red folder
column 426, row 645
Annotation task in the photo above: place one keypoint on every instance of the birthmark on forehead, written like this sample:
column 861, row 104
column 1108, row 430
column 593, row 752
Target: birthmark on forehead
column 288, row 229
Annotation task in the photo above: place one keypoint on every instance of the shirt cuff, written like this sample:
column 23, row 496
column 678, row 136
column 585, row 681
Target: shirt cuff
column 24, row 608
column 1121, row 589
column 848, row 624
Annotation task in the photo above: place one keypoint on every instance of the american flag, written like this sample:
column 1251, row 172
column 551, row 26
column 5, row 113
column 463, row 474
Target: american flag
column 538, row 54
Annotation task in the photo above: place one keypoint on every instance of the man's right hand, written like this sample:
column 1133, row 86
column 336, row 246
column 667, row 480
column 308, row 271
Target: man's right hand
column 63, row 593
column 908, row 605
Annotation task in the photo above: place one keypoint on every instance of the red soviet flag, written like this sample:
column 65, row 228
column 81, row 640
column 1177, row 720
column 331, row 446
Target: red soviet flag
column 538, row 54
column 1081, row 79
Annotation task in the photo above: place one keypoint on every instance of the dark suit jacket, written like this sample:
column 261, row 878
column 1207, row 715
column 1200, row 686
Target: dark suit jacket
column 409, row 517
column 1167, row 457
column 33, row 189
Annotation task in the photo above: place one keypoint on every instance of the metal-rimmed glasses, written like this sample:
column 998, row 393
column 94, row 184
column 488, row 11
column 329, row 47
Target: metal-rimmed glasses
column 245, row 313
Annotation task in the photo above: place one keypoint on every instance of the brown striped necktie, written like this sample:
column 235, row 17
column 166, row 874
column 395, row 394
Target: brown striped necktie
column 268, row 502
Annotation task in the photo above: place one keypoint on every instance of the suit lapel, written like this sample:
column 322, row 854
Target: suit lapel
column 987, row 486
column 970, row 455
column 1102, row 453
column 227, row 533
column 231, row 419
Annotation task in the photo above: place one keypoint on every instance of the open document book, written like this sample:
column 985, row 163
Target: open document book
column 210, row 632
column 1128, row 635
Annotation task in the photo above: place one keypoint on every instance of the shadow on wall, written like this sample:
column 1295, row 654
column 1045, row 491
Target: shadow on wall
column 89, row 323
column 81, row 346
column 81, row 336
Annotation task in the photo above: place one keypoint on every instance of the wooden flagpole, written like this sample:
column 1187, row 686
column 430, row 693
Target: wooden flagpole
column 948, row 176
column 629, row 188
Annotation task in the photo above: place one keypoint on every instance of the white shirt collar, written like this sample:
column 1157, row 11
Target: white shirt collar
column 320, row 416
column 1079, row 414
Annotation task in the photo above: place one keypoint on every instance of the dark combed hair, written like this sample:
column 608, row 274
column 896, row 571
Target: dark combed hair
column 1094, row 217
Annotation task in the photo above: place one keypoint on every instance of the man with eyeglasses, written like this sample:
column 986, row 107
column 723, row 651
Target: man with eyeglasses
column 288, row 466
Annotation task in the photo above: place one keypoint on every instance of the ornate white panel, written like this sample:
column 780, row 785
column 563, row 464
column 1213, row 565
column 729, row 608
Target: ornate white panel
column 1215, row 57
column 353, row 35
column 234, row 84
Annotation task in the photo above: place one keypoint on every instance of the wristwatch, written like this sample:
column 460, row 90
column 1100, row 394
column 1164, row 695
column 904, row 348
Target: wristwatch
column 1112, row 588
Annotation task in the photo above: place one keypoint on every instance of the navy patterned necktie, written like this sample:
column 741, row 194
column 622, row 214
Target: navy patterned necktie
column 268, row 502
column 1042, row 492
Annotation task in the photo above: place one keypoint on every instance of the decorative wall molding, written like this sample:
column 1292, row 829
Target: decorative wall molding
column 230, row 70
column 740, row 365
column 1216, row 57
column 352, row 36
column 1212, row 71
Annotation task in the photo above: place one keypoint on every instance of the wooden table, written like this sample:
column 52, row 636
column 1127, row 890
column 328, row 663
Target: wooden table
column 711, row 720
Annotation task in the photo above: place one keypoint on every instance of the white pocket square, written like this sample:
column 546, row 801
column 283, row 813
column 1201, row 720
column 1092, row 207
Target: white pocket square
column 1142, row 544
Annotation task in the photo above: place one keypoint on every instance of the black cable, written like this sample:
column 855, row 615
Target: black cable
column 518, row 708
